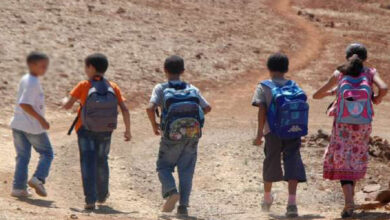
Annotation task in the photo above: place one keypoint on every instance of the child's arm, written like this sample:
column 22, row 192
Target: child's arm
column 69, row 103
column 150, row 110
column 261, row 122
column 30, row 110
column 126, row 120
column 327, row 89
column 382, row 86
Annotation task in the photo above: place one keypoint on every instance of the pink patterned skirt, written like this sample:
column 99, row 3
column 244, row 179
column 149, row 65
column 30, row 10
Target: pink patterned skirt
column 346, row 157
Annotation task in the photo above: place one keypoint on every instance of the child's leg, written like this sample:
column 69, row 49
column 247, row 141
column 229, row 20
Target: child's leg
column 272, row 166
column 293, row 166
column 267, row 192
column 186, row 168
column 292, row 191
column 348, row 190
column 167, row 158
column 103, row 170
column 43, row 146
column 88, row 165
column 23, row 154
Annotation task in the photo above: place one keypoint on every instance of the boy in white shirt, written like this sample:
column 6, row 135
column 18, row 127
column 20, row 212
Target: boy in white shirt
column 29, row 129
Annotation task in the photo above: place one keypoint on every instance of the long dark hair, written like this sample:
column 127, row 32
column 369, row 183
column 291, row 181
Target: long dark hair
column 353, row 67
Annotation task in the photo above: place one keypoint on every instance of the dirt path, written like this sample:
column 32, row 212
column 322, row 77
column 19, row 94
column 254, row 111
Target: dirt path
column 228, row 176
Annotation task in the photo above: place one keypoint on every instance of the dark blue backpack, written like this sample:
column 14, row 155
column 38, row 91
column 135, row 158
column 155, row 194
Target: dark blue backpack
column 288, row 112
column 182, row 116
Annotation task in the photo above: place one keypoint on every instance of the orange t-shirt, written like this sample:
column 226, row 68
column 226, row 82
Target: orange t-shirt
column 80, row 92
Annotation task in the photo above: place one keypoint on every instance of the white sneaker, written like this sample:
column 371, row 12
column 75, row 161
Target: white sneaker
column 21, row 193
column 36, row 184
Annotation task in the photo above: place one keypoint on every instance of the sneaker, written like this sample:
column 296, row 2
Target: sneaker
column 182, row 211
column 38, row 186
column 292, row 211
column 170, row 203
column 21, row 193
column 104, row 200
column 90, row 207
column 265, row 206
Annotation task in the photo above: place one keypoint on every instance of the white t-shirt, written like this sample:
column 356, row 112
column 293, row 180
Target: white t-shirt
column 30, row 92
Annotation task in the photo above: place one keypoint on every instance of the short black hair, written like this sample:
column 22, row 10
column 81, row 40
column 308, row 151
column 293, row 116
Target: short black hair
column 356, row 48
column 278, row 62
column 99, row 61
column 174, row 65
column 36, row 56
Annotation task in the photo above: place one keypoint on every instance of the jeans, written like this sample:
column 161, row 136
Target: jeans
column 23, row 142
column 94, row 149
column 180, row 154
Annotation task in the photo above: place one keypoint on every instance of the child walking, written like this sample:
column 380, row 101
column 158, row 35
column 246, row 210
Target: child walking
column 29, row 129
column 183, row 109
column 97, row 119
column 346, row 157
column 282, row 123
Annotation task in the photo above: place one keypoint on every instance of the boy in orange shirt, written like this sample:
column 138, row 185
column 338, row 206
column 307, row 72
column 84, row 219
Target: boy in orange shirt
column 97, row 118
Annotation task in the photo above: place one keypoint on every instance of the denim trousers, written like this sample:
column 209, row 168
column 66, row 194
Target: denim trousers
column 180, row 154
column 23, row 143
column 94, row 149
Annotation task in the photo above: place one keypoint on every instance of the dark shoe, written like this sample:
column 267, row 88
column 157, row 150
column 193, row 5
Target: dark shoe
column 292, row 211
column 347, row 212
column 170, row 203
column 104, row 200
column 90, row 207
column 182, row 211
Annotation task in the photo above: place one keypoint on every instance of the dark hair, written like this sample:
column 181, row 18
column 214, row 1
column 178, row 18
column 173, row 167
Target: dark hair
column 174, row 65
column 36, row 56
column 278, row 62
column 358, row 49
column 99, row 61
column 353, row 67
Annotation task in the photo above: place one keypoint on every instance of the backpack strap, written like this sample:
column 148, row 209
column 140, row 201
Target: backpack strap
column 270, row 84
column 177, row 85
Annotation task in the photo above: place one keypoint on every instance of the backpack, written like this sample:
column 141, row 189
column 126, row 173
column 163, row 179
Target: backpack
column 288, row 113
column 354, row 99
column 100, row 111
column 182, row 116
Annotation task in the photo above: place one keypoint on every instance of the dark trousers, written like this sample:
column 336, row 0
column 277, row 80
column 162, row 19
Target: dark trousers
column 94, row 149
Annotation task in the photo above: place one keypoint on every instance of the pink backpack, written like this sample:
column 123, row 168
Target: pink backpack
column 354, row 98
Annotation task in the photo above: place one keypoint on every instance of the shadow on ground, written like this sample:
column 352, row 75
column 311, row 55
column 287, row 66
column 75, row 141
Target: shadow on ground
column 167, row 217
column 103, row 210
column 302, row 217
column 38, row 202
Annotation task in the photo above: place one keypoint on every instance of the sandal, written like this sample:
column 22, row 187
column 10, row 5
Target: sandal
column 348, row 211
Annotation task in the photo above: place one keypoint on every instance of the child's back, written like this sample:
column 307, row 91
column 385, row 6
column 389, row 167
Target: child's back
column 183, row 108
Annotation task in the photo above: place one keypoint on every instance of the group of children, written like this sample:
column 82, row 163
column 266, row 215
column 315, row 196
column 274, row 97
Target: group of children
column 282, row 121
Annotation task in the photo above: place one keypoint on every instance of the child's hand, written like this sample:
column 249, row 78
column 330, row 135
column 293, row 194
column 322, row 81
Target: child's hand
column 258, row 140
column 156, row 130
column 377, row 100
column 45, row 124
column 127, row 135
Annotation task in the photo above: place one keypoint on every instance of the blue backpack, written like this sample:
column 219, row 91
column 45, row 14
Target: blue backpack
column 182, row 116
column 288, row 112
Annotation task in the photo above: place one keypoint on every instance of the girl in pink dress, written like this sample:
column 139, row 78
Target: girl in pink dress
column 346, row 157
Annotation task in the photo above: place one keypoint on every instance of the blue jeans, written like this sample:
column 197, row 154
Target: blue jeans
column 180, row 154
column 23, row 142
column 94, row 149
